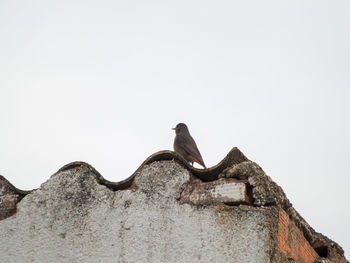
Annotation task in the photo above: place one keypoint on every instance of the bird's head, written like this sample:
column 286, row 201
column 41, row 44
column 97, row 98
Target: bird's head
column 181, row 128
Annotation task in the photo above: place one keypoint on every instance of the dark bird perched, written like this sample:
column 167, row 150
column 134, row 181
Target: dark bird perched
column 186, row 146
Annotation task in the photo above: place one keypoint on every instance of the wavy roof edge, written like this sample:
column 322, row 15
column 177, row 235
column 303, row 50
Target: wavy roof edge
column 235, row 156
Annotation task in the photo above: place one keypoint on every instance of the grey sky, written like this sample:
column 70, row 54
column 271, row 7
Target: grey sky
column 105, row 81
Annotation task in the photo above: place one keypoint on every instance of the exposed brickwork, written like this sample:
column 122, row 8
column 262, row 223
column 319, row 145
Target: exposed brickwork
column 292, row 242
column 8, row 205
column 9, row 197
column 324, row 246
column 265, row 192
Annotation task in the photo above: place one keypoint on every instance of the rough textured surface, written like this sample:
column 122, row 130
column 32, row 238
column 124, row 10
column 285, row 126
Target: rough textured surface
column 72, row 218
column 167, row 211
column 267, row 193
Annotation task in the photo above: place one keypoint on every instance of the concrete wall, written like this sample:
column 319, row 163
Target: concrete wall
column 166, row 215
column 71, row 218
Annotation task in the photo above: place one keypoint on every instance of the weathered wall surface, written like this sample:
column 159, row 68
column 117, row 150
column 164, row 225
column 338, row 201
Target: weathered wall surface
column 71, row 218
column 165, row 212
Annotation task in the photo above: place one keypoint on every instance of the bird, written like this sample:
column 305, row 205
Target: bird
column 185, row 145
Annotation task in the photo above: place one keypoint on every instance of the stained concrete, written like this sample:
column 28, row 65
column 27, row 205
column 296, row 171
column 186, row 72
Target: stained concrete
column 72, row 218
column 167, row 211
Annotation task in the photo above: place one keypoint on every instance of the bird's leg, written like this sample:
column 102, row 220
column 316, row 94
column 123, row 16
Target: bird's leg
column 192, row 163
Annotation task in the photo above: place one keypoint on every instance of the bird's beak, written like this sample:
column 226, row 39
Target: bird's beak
column 173, row 128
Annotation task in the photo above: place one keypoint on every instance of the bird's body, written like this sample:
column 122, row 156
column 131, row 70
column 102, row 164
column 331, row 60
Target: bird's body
column 185, row 145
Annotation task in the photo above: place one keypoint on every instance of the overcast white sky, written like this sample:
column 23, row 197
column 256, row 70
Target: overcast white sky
column 105, row 81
